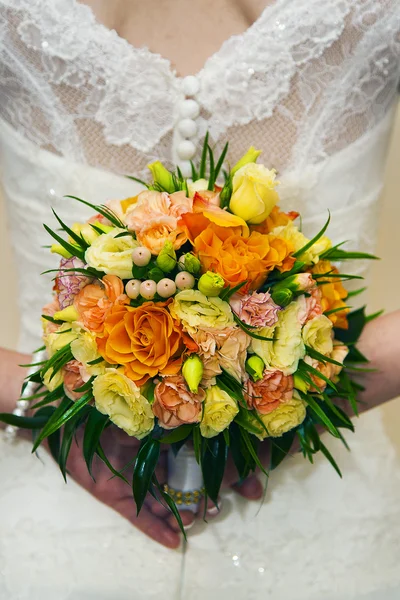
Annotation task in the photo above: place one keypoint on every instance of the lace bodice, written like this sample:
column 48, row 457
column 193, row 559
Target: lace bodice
column 311, row 83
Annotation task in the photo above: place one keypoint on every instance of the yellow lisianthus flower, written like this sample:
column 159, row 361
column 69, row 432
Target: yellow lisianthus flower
column 58, row 339
column 112, row 254
column 293, row 235
column 119, row 397
column 84, row 349
column 317, row 333
column 219, row 411
column 285, row 417
column 196, row 310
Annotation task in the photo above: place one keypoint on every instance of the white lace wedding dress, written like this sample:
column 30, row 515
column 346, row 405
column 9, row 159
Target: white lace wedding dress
column 311, row 83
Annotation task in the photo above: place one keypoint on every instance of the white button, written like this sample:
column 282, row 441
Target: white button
column 187, row 128
column 186, row 150
column 185, row 168
column 190, row 109
column 190, row 85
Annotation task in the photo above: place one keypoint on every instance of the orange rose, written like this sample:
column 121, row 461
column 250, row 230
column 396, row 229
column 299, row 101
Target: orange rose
column 268, row 393
column 95, row 300
column 333, row 294
column 145, row 340
column 237, row 258
column 174, row 405
column 277, row 218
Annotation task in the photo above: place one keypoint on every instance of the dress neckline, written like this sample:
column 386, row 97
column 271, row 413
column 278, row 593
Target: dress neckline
column 233, row 39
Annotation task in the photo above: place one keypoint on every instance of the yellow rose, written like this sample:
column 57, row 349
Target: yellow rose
column 287, row 347
column 111, row 254
column 119, row 397
column 84, row 349
column 284, row 418
column 196, row 310
column 293, row 235
column 219, row 411
column 253, row 193
column 317, row 333
column 58, row 339
column 53, row 382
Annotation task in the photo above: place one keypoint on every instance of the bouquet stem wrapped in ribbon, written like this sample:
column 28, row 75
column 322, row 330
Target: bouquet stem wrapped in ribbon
column 196, row 314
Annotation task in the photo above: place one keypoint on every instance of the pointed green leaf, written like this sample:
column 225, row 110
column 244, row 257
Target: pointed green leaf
column 145, row 465
column 95, row 425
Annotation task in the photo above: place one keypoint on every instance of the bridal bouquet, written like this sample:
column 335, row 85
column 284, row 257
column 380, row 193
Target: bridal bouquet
column 196, row 312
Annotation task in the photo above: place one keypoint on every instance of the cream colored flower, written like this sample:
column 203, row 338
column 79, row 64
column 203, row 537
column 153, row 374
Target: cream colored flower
column 118, row 397
column 219, row 411
column 111, row 254
column 285, row 417
column 292, row 234
column 84, row 349
column 56, row 340
column 287, row 347
column 50, row 382
column 317, row 333
column 196, row 310
column 253, row 194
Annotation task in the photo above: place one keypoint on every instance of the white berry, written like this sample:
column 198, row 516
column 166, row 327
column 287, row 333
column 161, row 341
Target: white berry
column 141, row 256
column 184, row 281
column 148, row 289
column 166, row 288
column 132, row 288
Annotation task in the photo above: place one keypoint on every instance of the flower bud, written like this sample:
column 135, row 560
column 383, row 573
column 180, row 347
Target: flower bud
column 189, row 262
column 166, row 260
column 300, row 384
column 226, row 193
column 282, row 296
column 85, row 231
column 148, row 289
column 166, row 287
column 162, row 176
column 250, row 157
column 104, row 228
column 210, row 284
column 132, row 288
column 184, row 281
column 141, row 256
column 255, row 367
column 58, row 249
column 192, row 372
column 68, row 314
column 200, row 185
column 298, row 283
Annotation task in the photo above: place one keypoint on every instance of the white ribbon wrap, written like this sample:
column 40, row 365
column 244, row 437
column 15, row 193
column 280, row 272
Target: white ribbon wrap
column 184, row 474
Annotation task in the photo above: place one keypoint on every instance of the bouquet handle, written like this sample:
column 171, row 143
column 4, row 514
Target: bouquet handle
column 185, row 480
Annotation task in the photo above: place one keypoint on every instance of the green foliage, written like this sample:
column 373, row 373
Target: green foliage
column 145, row 466
column 313, row 240
column 95, row 425
column 213, row 462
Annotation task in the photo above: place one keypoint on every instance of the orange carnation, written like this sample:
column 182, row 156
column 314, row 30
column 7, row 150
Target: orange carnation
column 238, row 259
column 95, row 300
column 175, row 405
column 333, row 294
column 268, row 393
column 145, row 340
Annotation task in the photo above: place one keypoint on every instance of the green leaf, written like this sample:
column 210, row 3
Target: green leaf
column 240, row 454
column 374, row 315
column 74, row 250
column 225, row 433
column 203, row 161
column 61, row 416
column 77, row 238
column 314, row 239
column 67, row 438
column 357, row 321
column 249, row 331
column 280, row 448
column 336, row 310
column 228, row 292
column 303, row 366
column 96, row 361
column 337, row 254
column 197, row 443
column 103, row 210
column 101, row 454
column 139, row 272
column 50, row 397
column 243, row 421
column 211, row 179
column 146, row 185
column 218, row 166
column 195, row 175
column 86, row 387
column 249, row 444
column 23, row 422
column 145, row 465
column 320, row 413
column 95, row 425
column 170, row 504
column 356, row 292
column 213, row 463
column 178, row 434
column 329, row 457
column 321, row 357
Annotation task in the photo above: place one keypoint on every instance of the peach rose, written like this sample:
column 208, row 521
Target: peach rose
column 333, row 294
column 95, row 301
column 241, row 259
column 174, row 405
column 156, row 219
column 145, row 340
column 268, row 393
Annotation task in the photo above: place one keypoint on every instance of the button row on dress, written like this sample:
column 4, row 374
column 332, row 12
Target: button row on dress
column 187, row 126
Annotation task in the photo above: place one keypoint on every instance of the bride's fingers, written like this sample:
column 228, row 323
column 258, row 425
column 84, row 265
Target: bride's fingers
column 212, row 510
column 251, row 488
column 155, row 527
column 187, row 517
